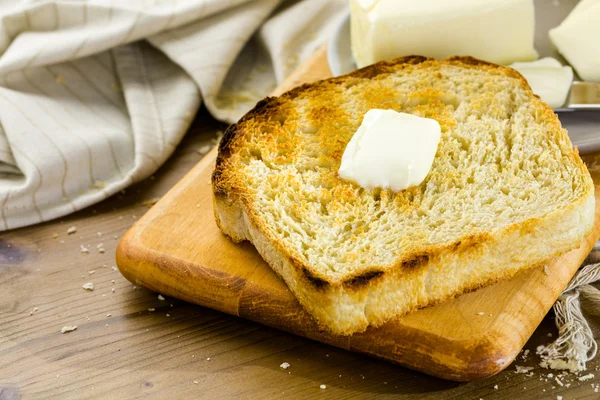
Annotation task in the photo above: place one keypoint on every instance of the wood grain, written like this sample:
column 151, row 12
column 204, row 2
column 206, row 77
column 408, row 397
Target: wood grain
column 177, row 249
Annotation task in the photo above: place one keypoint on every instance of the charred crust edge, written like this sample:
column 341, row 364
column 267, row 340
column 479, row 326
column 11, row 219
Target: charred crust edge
column 415, row 261
column 362, row 279
column 316, row 282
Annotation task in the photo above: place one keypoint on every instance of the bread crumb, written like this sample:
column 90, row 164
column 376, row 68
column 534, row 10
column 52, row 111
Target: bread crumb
column 195, row 382
column 114, row 268
column 546, row 270
column 88, row 286
column 558, row 397
column 496, row 387
column 54, row 235
column 168, row 315
column 68, row 328
column 152, row 309
column 522, row 370
column 71, row 230
column 323, row 387
column 585, row 377
column 207, row 358
column 84, row 249
column 558, row 381
column 284, row 365
column 108, row 315
column 161, row 298
column 112, row 290
column 480, row 313
column 91, row 271
column 549, row 334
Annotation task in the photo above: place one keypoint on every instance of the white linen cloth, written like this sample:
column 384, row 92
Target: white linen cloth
column 96, row 94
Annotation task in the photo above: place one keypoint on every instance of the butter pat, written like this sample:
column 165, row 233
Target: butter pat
column 577, row 38
column 499, row 31
column 390, row 150
column 548, row 79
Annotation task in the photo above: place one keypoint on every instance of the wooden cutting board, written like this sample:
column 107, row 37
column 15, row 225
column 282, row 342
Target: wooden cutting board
column 176, row 249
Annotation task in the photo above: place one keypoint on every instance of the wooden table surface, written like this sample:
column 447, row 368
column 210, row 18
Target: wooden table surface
column 130, row 343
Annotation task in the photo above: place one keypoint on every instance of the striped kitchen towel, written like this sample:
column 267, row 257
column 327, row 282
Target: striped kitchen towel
column 96, row 94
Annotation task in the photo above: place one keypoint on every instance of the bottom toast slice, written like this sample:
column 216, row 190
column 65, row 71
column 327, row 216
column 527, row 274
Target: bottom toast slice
column 506, row 190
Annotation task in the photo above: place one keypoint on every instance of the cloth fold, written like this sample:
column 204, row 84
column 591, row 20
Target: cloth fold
column 96, row 94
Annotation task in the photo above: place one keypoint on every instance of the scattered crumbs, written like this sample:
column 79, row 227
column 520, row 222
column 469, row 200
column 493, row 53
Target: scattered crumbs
column 32, row 311
column 152, row 309
column 151, row 202
column 195, row 382
column 549, row 334
column 558, row 381
column 522, row 370
column 323, row 386
column 284, row 365
column 91, row 271
column 558, row 397
column 112, row 281
column 161, row 298
column 207, row 358
column 114, row 268
column 115, row 237
column 550, row 375
column 112, row 290
column 88, row 286
column 546, row 270
column 71, row 230
column 100, row 247
column 60, row 79
column 585, row 377
column 68, row 328
column 87, row 318
column 108, row 315
column 496, row 387
column 327, row 355
column 84, row 249
column 168, row 315
column 525, row 354
column 480, row 313
column 54, row 235
column 204, row 149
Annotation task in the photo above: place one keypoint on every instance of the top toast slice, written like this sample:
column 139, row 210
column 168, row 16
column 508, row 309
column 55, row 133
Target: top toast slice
column 506, row 190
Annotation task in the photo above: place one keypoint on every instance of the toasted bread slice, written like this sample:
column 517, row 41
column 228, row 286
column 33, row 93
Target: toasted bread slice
column 506, row 191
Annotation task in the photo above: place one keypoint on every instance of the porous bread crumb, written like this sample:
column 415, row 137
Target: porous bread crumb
column 559, row 364
column 71, row 230
column 161, row 298
column 284, row 365
column 558, row 381
column 522, row 370
column 585, row 377
column 88, row 286
column 323, row 387
column 68, row 328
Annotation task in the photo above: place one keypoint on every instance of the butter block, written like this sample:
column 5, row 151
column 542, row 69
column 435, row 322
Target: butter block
column 548, row 79
column 577, row 38
column 499, row 31
column 390, row 150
